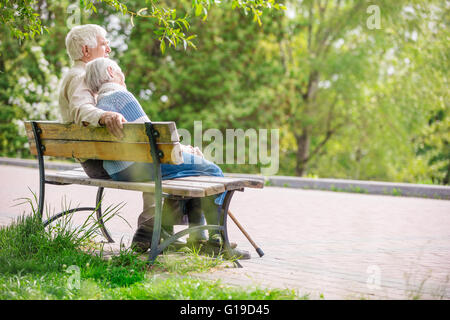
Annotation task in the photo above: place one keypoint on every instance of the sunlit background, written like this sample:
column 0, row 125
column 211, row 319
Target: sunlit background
column 358, row 90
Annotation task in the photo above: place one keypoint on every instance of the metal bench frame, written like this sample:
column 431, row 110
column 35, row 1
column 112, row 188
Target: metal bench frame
column 156, row 154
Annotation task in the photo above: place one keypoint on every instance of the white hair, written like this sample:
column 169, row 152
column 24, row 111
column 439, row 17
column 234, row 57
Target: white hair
column 97, row 72
column 80, row 36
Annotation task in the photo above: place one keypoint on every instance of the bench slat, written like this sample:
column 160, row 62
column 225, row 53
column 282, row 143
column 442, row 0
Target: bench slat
column 77, row 178
column 229, row 183
column 209, row 188
column 139, row 152
column 178, row 186
column 133, row 132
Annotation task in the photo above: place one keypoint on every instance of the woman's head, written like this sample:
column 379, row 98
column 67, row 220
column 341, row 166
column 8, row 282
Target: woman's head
column 103, row 70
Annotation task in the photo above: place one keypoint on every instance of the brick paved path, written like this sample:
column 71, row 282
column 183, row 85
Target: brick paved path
column 330, row 244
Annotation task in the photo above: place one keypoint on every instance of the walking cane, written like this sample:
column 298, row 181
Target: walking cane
column 258, row 249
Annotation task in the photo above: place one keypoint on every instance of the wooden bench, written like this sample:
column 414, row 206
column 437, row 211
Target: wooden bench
column 156, row 142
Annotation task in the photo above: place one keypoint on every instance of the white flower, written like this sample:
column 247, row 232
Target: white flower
column 339, row 43
column 390, row 70
column 32, row 86
column 324, row 84
column 43, row 62
column 22, row 81
column 20, row 126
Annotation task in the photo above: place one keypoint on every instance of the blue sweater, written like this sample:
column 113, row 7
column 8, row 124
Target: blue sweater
column 122, row 101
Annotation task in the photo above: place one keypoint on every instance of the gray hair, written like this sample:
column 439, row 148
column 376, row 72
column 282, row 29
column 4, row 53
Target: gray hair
column 97, row 72
column 80, row 36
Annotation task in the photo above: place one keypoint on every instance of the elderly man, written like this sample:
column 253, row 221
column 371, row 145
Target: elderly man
column 104, row 76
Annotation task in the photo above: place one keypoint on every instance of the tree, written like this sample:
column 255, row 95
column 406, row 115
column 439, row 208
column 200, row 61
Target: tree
column 335, row 56
column 327, row 53
column 29, row 77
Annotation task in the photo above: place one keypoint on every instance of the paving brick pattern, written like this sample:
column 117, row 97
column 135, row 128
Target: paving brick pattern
column 333, row 245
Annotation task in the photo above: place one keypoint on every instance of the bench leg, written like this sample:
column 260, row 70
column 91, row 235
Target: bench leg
column 98, row 201
column 156, row 236
column 64, row 213
column 40, row 149
column 223, row 214
column 156, row 156
column 97, row 209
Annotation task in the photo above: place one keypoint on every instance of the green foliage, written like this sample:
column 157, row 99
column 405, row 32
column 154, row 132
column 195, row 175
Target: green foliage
column 28, row 87
column 355, row 97
column 21, row 18
column 53, row 286
column 24, row 19
column 350, row 101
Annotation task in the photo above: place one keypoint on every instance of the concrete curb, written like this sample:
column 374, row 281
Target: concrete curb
column 368, row 187
column 355, row 186
column 34, row 164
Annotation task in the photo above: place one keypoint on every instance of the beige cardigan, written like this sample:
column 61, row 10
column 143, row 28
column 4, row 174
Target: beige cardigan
column 76, row 101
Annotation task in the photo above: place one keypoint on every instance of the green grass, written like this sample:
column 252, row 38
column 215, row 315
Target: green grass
column 351, row 189
column 53, row 286
column 62, row 262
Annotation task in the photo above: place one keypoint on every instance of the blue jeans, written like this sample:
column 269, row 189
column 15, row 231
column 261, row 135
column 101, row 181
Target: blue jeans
column 193, row 166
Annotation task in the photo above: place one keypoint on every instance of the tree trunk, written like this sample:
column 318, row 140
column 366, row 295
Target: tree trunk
column 303, row 141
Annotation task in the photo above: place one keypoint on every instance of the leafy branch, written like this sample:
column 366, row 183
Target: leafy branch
column 24, row 22
column 173, row 29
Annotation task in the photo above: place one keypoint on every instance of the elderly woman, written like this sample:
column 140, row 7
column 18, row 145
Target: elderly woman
column 104, row 77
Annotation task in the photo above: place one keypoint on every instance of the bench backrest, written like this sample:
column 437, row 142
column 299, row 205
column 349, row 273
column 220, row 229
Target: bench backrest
column 74, row 141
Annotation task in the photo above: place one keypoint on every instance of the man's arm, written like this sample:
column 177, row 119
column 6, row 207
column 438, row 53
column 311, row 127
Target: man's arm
column 82, row 103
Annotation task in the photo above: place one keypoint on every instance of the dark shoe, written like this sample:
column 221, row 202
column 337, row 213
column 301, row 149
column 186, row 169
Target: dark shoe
column 142, row 240
column 217, row 243
column 227, row 254
column 236, row 254
column 215, row 239
column 140, row 246
column 192, row 241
